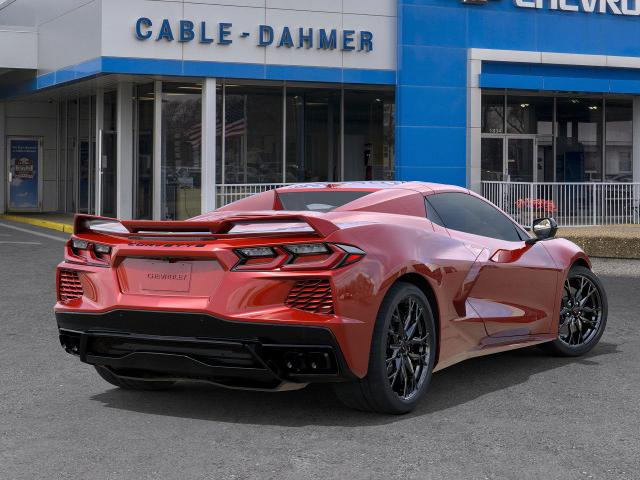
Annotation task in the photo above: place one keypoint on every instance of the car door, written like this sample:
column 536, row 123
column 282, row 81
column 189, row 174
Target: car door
column 513, row 285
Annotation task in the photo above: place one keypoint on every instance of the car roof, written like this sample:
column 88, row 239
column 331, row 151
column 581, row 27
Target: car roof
column 422, row 187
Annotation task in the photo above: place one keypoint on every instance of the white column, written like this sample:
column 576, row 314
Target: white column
column 124, row 153
column 636, row 139
column 98, row 163
column 157, row 150
column 636, row 151
column 208, row 158
column 4, row 161
column 474, row 118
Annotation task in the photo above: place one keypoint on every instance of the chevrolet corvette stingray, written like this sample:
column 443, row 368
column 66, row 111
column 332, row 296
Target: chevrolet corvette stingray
column 371, row 286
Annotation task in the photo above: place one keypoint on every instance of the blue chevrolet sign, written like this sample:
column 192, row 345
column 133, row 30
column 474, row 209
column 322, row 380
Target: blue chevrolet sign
column 222, row 34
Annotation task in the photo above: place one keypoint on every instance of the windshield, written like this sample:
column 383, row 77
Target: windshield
column 318, row 201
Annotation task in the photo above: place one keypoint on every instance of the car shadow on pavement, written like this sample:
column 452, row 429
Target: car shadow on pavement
column 317, row 404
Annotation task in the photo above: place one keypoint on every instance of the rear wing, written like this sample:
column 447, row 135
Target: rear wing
column 238, row 225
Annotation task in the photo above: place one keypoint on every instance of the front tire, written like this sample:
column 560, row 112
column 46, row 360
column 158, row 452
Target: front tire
column 130, row 384
column 583, row 314
column 402, row 355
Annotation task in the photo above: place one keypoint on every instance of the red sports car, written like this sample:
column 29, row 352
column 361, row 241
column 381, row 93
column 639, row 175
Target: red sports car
column 370, row 286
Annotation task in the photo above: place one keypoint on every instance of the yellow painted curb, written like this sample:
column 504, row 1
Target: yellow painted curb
column 37, row 222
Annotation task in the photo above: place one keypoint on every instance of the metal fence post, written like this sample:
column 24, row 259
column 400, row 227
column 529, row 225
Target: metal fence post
column 531, row 199
column 594, row 203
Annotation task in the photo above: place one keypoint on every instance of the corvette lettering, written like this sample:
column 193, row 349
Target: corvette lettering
column 167, row 276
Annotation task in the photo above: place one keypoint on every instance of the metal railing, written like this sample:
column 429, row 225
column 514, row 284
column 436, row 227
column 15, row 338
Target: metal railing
column 228, row 193
column 571, row 204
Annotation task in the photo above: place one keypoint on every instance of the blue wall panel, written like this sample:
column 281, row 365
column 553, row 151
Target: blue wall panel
column 431, row 92
column 433, row 38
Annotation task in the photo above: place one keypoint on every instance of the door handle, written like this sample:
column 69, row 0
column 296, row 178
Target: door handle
column 10, row 177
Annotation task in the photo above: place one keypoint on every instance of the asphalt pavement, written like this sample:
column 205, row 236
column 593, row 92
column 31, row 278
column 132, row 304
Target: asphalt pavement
column 517, row 415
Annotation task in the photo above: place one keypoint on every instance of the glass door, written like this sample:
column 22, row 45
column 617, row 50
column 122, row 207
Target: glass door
column 520, row 158
column 24, row 158
column 108, row 173
column 492, row 158
column 108, row 156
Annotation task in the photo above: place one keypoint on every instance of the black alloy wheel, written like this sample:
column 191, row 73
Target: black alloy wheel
column 408, row 348
column 583, row 314
column 403, row 349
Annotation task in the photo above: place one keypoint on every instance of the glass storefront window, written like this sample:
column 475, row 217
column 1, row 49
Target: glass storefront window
column 368, row 135
column 313, row 135
column 492, row 113
column 591, row 141
column 144, row 109
column 62, row 155
column 619, row 140
column 108, row 162
column 72, row 146
column 181, row 150
column 579, row 139
column 492, row 158
column 219, row 140
column 253, row 134
column 529, row 115
column 85, row 164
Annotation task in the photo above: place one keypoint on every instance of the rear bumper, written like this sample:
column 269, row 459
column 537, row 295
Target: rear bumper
column 171, row 345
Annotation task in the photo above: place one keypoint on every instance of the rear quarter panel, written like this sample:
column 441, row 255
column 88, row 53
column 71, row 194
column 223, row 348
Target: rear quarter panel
column 398, row 246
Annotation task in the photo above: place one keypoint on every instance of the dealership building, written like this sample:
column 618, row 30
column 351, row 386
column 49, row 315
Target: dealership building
column 164, row 109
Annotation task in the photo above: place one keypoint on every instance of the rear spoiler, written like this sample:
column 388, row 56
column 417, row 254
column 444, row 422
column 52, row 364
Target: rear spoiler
column 83, row 223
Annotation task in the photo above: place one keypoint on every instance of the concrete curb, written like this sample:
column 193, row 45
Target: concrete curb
column 607, row 246
column 37, row 222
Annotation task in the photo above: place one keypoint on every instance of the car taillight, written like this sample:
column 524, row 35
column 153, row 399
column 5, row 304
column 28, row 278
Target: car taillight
column 298, row 256
column 354, row 254
column 83, row 251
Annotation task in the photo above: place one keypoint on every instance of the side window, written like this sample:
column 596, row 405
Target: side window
column 432, row 214
column 465, row 213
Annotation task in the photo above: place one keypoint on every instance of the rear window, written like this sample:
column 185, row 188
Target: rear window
column 318, row 201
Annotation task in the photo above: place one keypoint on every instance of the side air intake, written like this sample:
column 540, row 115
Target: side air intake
column 69, row 285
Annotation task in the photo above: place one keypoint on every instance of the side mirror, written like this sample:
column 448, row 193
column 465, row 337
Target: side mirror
column 543, row 229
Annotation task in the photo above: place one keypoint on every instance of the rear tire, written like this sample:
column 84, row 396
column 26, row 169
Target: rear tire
column 402, row 355
column 583, row 314
column 129, row 384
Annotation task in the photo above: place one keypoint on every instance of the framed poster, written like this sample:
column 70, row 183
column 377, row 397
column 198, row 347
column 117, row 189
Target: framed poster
column 24, row 157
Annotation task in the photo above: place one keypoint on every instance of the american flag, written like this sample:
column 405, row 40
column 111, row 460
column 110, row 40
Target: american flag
column 236, row 124
column 194, row 135
column 236, row 113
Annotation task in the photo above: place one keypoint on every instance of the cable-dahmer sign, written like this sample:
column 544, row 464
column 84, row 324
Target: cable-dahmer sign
column 616, row 7
column 222, row 34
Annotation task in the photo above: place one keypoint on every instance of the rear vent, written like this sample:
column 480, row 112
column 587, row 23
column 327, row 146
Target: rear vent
column 311, row 296
column 69, row 286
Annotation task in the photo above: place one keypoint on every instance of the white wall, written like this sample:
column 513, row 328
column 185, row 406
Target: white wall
column 67, row 32
column 23, row 51
column 378, row 16
column 73, row 31
column 70, row 39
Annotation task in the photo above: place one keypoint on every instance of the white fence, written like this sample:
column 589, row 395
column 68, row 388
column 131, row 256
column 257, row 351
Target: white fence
column 571, row 204
column 228, row 193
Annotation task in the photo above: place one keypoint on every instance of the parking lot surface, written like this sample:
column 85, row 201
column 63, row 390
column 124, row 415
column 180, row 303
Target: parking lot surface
column 517, row 415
